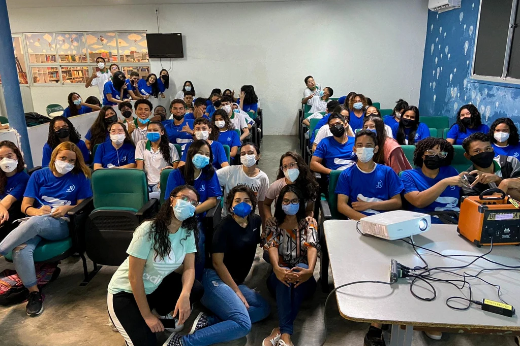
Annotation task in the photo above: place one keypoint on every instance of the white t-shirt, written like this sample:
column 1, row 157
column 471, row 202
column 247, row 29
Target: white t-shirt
column 153, row 160
column 318, row 104
column 139, row 134
column 308, row 92
column 238, row 121
column 180, row 95
column 231, row 176
column 100, row 81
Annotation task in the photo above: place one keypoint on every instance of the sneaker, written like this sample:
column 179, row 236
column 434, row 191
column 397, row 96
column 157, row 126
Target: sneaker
column 35, row 304
column 174, row 340
column 111, row 325
column 201, row 321
column 171, row 323
column 283, row 343
column 434, row 335
column 374, row 337
column 272, row 339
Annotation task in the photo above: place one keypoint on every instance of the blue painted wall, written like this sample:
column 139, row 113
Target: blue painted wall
column 446, row 79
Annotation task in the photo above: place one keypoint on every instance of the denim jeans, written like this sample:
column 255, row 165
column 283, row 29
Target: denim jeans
column 289, row 299
column 232, row 319
column 30, row 233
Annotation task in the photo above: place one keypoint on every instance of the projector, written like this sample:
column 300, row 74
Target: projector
column 393, row 225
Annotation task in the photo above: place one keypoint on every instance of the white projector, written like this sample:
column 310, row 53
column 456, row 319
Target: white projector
column 393, row 225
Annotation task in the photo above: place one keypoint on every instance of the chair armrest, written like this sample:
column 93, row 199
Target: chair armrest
column 147, row 207
column 78, row 219
column 212, row 212
column 32, row 170
column 325, row 210
column 86, row 206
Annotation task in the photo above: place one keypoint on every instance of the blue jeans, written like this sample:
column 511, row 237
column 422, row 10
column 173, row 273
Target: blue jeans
column 30, row 233
column 233, row 320
column 289, row 299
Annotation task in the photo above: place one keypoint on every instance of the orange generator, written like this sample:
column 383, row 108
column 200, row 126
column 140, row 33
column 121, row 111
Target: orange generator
column 490, row 217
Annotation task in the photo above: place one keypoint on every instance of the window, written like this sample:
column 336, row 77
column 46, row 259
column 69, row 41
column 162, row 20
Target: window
column 497, row 50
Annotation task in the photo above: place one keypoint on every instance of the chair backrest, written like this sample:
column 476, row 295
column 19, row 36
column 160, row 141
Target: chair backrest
column 333, row 98
column 252, row 114
column 164, row 180
column 377, row 105
column 306, row 108
column 53, row 109
column 445, row 132
column 333, row 197
column 3, row 120
column 313, row 124
column 228, row 153
column 408, row 152
column 119, row 188
column 436, row 122
column 238, row 132
column 179, row 150
column 460, row 163
column 94, row 151
column 434, row 133
column 387, row 111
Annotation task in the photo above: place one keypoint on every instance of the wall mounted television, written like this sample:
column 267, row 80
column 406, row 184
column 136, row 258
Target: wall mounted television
column 165, row 45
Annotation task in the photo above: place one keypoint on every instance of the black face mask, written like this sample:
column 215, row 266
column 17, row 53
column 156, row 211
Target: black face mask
column 111, row 120
column 407, row 122
column 165, row 77
column 127, row 114
column 338, row 130
column 178, row 117
column 118, row 83
column 62, row 133
column 217, row 104
column 432, row 161
column 483, row 160
column 466, row 122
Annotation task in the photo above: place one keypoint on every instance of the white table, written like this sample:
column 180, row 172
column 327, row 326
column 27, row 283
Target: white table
column 354, row 257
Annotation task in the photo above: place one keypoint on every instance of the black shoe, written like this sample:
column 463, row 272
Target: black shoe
column 374, row 337
column 35, row 304
column 200, row 322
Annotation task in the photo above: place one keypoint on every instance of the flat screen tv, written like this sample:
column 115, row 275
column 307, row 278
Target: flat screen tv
column 165, row 45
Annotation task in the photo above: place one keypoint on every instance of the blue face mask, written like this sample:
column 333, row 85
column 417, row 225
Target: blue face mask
column 200, row 161
column 291, row 209
column 183, row 210
column 153, row 136
column 242, row 209
column 358, row 105
column 373, row 130
column 145, row 121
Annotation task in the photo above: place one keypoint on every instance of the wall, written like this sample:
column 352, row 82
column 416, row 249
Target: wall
column 348, row 45
column 446, row 78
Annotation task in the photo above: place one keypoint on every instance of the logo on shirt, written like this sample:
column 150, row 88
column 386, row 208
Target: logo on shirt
column 229, row 139
column 515, row 155
column 71, row 188
column 379, row 184
column 11, row 189
column 202, row 188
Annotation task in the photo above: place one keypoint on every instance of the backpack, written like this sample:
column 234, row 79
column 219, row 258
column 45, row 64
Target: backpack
column 506, row 167
column 33, row 119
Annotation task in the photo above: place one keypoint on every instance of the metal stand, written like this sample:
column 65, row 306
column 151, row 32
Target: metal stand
column 401, row 337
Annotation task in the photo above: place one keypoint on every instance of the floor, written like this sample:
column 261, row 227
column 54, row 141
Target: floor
column 77, row 315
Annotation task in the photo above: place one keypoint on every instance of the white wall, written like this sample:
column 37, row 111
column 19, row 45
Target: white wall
column 372, row 46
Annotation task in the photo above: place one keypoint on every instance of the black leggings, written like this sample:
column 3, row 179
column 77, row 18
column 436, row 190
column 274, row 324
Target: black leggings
column 125, row 314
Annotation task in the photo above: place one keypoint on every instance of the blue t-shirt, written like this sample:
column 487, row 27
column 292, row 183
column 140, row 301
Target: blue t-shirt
column 454, row 133
column 82, row 110
column 47, row 151
column 390, row 121
column 210, row 110
column 108, row 88
column 379, row 185
column 250, row 107
column 422, row 132
column 219, row 154
column 88, row 136
column 107, row 154
column 323, row 121
column 342, row 99
column 334, row 155
column 189, row 116
column 510, row 150
column 175, row 134
column 50, row 190
column 16, row 185
column 355, row 122
column 144, row 88
column 129, row 86
column 229, row 137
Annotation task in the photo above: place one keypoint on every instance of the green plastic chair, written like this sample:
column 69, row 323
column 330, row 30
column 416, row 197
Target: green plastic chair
column 54, row 110
column 179, row 150
column 408, row 152
column 460, row 163
column 334, row 98
column 228, row 152
column 306, row 108
column 163, row 181
column 433, row 133
column 445, row 132
column 376, row 104
column 436, row 122
column 312, row 126
column 3, row 120
column 94, row 151
column 386, row 111
column 238, row 132
column 252, row 114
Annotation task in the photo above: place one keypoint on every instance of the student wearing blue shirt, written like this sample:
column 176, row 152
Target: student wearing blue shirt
column 50, row 194
column 98, row 132
column 433, row 185
column 331, row 106
column 224, row 132
column 61, row 130
column 179, row 129
column 77, row 106
column 131, row 86
column 410, row 130
column 199, row 110
column 393, row 119
column 119, row 152
column 334, row 153
column 504, row 138
column 13, row 181
column 188, row 100
column 202, row 130
column 151, row 86
column 199, row 173
column 115, row 90
column 468, row 122
column 248, row 100
column 357, row 106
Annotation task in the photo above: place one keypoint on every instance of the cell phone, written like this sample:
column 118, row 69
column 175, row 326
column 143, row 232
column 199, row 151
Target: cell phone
column 467, row 180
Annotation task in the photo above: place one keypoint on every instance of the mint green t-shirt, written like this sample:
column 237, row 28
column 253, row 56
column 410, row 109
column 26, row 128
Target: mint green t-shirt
column 155, row 270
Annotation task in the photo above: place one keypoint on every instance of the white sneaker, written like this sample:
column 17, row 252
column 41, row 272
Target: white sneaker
column 201, row 321
column 434, row 335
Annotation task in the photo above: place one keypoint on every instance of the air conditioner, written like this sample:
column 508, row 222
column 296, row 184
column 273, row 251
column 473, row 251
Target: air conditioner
column 443, row 5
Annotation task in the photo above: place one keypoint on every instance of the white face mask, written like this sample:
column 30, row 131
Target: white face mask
column 118, row 139
column 292, row 174
column 248, row 160
column 398, row 115
column 499, row 136
column 204, row 135
column 63, row 167
column 101, row 65
column 364, row 154
column 220, row 124
column 227, row 108
column 187, row 88
column 8, row 165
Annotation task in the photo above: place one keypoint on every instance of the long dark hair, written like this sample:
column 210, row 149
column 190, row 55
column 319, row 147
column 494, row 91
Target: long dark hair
column 164, row 144
column 379, row 157
column 99, row 130
column 279, row 214
column 476, row 119
column 347, row 99
column 401, row 135
column 19, row 168
column 399, row 106
column 250, row 97
column 160, row 232
column 241, row 188
column 128, row 139
column 93, row 100
column 215, row 131
column 72, row 107
column 306, row 181
column 188, row 170
column 155, row 86
column 513, row 130
column 192, row 87
column 53, row 139
column 167, row 81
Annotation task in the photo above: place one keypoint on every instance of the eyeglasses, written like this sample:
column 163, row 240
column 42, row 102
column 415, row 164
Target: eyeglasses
column 290, row 201
column 187, row 199
column 289, row 166
column 441, row 154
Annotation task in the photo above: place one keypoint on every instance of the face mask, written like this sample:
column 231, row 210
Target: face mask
column 398, row 115
column 200, row 161
column 183, row 210
column 373, row 130
column 432, row 161
column 236, row 110
column 118, row 83
column 220, row 124
column 127, row 114
column 111, row 119
column 204, row 135
column 501, row 136
column 77, row 102
column 407, row 122
column 292, row 174
column 248, row 160
column 242, row 209
column 145, row 121
column 291, row 209
column 321, row 93
column 484, row 159
column 338, row 130
column 358, row 105
column 8, row 165
column 63, row 167
column 153, row 136
column 165, row 77
column 187, row 88
column 364, row 154
column 227, row 108
column 62, row 133
column 178, row 117
column 118, row 139
column 101, row 65
column 466, row 122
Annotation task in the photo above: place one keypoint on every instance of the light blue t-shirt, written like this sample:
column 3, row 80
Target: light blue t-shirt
column 219, row 154
column 334, row 155
column 510, row 150
column 454, row 133
column 156, row 268
column 106, row 154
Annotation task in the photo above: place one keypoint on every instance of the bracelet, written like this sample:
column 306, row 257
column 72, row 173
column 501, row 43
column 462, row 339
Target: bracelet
column 25, row 211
